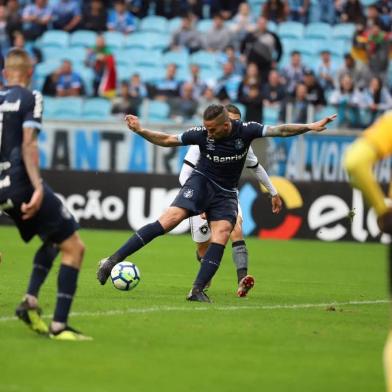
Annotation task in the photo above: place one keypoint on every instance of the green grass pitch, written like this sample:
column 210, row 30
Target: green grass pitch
column 281, row 338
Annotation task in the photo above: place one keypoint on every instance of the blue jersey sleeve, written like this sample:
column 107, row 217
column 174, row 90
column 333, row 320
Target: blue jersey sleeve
column 32, row 110
column 253, row 130
column 192, row 136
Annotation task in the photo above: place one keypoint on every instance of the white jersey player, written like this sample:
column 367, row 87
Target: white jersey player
column 199, row 226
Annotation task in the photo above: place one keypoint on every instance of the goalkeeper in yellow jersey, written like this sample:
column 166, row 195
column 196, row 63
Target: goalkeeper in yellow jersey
column 374, row 145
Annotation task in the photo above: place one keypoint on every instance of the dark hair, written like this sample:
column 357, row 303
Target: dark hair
column 294, row 52
column 233, row 109
column 214, row 111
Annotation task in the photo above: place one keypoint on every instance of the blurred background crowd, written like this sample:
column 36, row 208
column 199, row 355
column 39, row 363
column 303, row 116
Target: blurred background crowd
column 279, row 60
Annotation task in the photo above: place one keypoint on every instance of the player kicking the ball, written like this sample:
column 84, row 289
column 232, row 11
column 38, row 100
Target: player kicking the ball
column 200, row 229
column 31, row 204
column 212, row 187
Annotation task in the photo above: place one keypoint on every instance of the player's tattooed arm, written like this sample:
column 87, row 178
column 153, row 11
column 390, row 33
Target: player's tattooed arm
column 297, row 129
column 30, row 156
column 155, row 137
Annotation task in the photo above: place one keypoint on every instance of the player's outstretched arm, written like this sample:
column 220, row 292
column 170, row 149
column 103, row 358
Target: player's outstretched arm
column 158, row 138
column 31, row 160
column 297, row 129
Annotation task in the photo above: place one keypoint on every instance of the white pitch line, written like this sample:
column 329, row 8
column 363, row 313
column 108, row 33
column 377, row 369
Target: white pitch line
column 211, row 307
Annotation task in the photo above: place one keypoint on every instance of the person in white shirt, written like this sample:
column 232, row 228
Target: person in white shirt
column 199, row 226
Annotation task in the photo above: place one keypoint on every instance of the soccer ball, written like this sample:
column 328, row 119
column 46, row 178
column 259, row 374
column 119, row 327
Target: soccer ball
column 125, row 276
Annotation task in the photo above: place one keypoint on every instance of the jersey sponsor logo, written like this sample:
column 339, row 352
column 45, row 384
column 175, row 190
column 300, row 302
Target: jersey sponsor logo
column 188, row 193
column 10, row 106
column 210, row 144
column 239, row 144
column 232, row 158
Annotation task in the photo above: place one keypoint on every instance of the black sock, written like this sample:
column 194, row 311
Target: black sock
column 209, row 265
column 240, row 258
column 67, row 280
column 43, row 261
column 142, row 237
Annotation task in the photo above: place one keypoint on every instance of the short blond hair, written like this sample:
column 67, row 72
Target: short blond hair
column 17, row 60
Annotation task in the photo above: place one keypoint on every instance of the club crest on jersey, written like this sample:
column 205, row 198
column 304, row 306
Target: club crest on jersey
column 238, row 144
column 204, row 229
column 188, row 193
column 210, row 144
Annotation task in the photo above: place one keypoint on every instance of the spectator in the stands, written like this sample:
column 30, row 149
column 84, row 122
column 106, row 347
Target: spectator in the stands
column 315, row 95
column 324, row 11
column 295, row 109
column 208, row 98
column 293, row 73
column 169, row 87
column 139, row 8
column 69, row 83
column 49, row 87
column 273, row 91
column 120, row 19
column 168, row 8
column 376, row 99
column 218, row 37
column 96, row 59
column 122, row 104
column 185, row 106
column 377, row 49
column 351, row 11
column 36, row 18
column 4, row 38
column 262, row 47
column 66, row 15
column 242, row 23
column 14, row 18
column 326, row 71
column 275, row 10
column 199, row 85
column 137, row 91
column 358, row 72
column 226, row 89
column 227, row 8
column 186, row 36
column 19, row 42
column 298, row 10
column 252, row 99
column 347, row 99
column 231, row 56
column 251, row 78
column 385, row 11
column 95, row 17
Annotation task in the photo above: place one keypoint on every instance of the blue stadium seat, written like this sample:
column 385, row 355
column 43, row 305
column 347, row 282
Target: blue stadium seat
column 157, row 111
column 161, row 42
column 291, row 30
column 97, row 109
column 87, row 75
column 318, row 30
column 174, row 24
column 74, row 54
column 83, row 38
column 55, row 38
column 256, row 5
column 272, row 26
column 339, row 46
column 180, row 58
column 204, row 25
column 311, row 46
column 41, row 70
column 67, row 108
column 289, row 44
column 183, row 74
column 142, row 40
column 157, row 24
column 150, row 73
column 204, row 59
column 270, row 115
column 53, row 52
column 343, row 31
column 150, row 57
column 114, row 39
column 124, row 71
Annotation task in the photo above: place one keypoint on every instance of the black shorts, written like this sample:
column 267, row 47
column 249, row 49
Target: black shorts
column 199, row 195
column 53, row 222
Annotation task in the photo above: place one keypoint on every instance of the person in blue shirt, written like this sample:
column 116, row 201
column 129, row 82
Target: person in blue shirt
column 212, row 187
column 66, row 15
column 36, row 18
column 69, row 83
column 120, row 19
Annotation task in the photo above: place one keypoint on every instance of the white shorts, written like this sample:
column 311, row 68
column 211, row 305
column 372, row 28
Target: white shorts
column 200, row 229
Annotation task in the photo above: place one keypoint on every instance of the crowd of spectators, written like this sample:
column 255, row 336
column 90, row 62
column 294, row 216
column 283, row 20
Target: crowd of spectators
column 248, row 53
